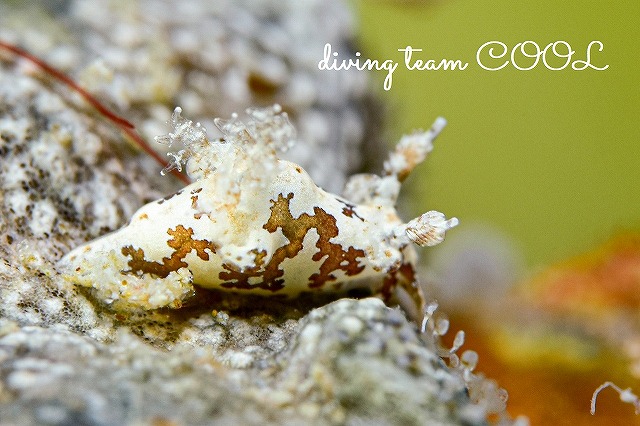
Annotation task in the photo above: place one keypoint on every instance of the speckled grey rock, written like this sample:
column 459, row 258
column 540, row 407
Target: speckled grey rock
column 349, row 362
column 64, row 178
column 359, row 362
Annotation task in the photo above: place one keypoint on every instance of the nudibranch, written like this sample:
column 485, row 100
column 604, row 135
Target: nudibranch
column 253, row 223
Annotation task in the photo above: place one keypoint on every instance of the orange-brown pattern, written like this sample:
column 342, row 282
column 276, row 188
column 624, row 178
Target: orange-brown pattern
column 295, row 229
column 405, row 277
column 182, row 243
column 168, row 197
column 194, row 197
column 349, row 210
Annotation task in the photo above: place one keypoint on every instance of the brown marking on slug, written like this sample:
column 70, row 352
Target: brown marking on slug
column 194, row 198
column 337, row 257
column 182, row 243
column 405, row 277
column 349, row 210
column 168, row 197
column 295, row 229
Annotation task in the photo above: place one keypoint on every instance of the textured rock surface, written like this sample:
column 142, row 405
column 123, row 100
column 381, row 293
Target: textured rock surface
column 349, row 362
column 67, row 177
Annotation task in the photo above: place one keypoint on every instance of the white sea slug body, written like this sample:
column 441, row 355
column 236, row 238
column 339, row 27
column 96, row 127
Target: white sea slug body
column 251, row 222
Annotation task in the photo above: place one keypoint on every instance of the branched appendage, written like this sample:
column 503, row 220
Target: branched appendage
column 409, row 152
column 412, row 150
column 272, row 126
column 247, row 151
column 429, row 229
column 267, row 132
column 484, row 394
column 185, row 133
column 437, row 325
column 625, row 396
column 122, row 123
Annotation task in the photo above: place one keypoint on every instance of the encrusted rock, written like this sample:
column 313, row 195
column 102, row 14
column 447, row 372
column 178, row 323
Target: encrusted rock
column 349, row 362
column 363, row 363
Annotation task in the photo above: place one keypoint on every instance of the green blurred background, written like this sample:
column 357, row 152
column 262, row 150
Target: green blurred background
column 550, row 159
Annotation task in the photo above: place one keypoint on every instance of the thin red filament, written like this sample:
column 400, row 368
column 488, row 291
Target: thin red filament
column 122, row 123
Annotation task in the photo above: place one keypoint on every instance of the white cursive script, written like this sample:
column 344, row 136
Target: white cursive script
column 330, row 62
column 530, row 53
column 430, row 64
column 524, row 56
